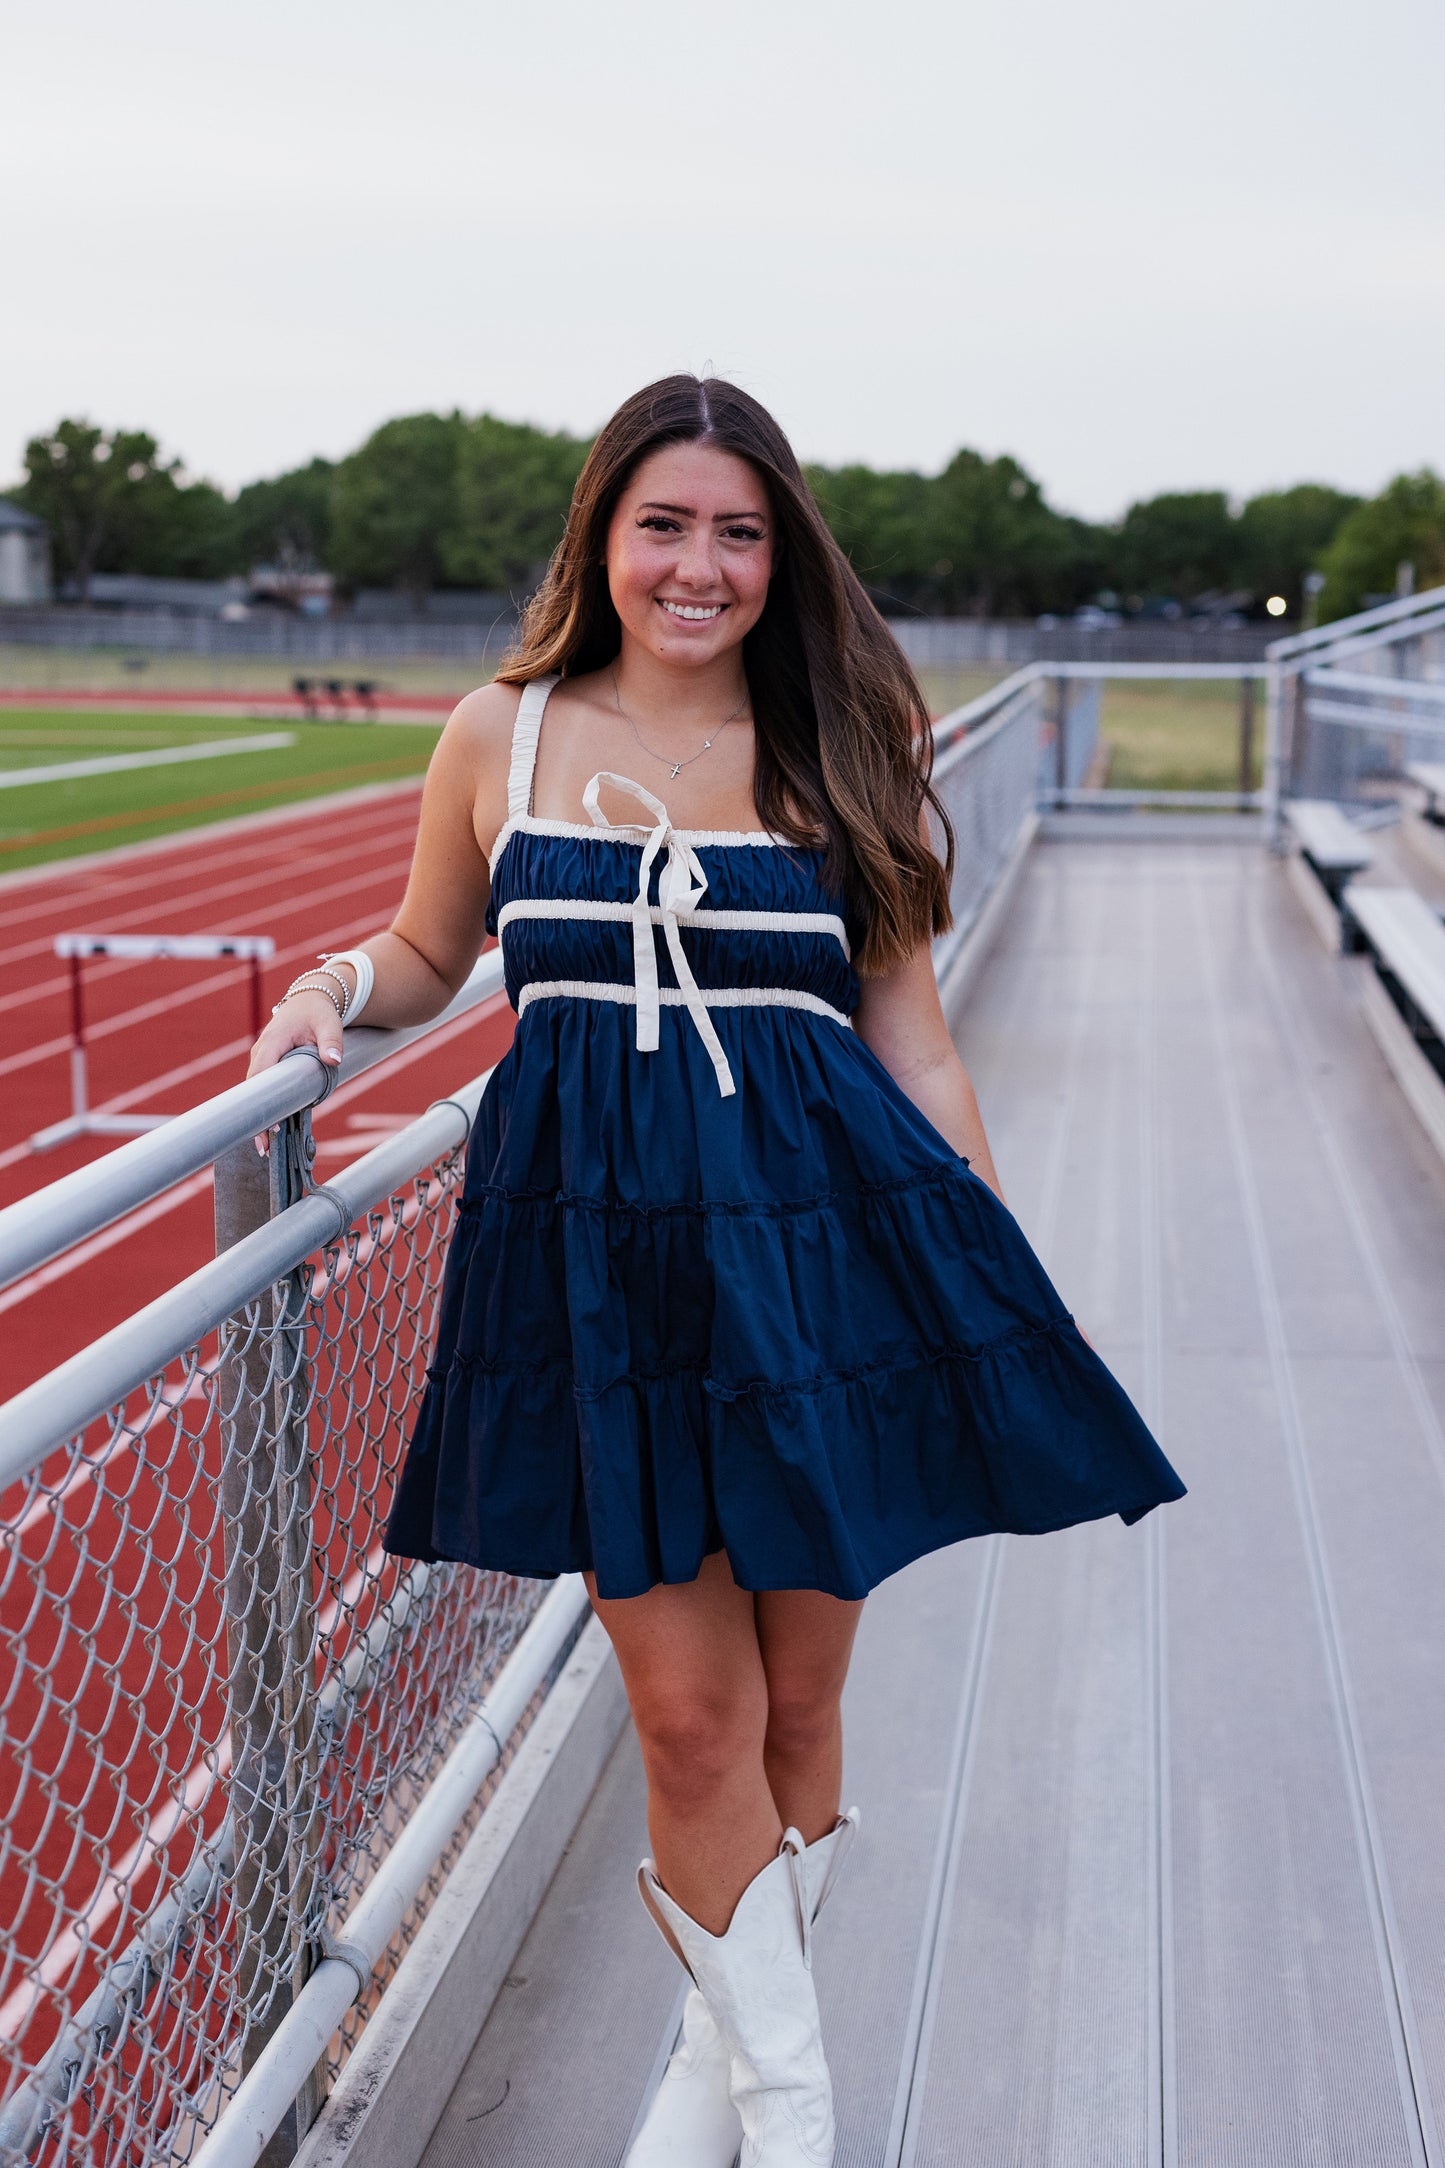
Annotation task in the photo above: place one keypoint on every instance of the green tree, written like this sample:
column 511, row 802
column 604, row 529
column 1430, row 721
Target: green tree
column 997, row 547
column 1180, row 544
column 513, row 486
column 1405, row 524
column 286, row 520
column 880, row 520
column 394, row 504
column 1280, row 536
column 114, row 505
column 978, row 537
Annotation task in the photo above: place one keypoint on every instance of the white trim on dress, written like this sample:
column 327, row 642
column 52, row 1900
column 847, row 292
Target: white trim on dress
column 673, row 997
column 824, row 922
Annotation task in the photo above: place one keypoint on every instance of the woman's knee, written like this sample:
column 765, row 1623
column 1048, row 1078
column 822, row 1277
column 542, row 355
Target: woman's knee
column 692, row 1741
column 803, row 1718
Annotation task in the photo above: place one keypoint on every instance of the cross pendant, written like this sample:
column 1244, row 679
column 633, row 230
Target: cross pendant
column 676, row 769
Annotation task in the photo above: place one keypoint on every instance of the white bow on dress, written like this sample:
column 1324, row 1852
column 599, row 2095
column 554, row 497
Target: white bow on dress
column 681, row 888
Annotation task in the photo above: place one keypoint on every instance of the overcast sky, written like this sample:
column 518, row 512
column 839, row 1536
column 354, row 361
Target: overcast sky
column 1141, row 246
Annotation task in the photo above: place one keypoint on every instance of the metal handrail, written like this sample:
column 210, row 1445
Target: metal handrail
column 62, row 1402
column 1387, row 616
column 53, row 1219
column 1429, row 690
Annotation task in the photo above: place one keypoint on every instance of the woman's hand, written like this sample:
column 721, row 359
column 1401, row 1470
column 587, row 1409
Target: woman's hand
column 305, row 1019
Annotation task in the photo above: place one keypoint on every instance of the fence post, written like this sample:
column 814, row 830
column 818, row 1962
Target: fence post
column 1246, row 741
column 270, row 1618
column 1061, row 735
column 1278, row 749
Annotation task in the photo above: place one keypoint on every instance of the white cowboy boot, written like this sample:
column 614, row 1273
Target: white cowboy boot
column 757, row 1981
column 691, row 2119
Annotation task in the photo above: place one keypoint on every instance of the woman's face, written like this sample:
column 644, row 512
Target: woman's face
column 690, row 552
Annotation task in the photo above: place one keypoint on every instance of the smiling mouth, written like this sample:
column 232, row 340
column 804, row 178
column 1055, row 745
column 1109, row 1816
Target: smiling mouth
column 693, row 613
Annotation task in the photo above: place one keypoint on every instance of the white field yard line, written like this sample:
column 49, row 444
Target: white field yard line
column 160, row 890
column 47, row 1275
column 164, row 756
column 99, row 865
column 276, row 900
column 70, row 1946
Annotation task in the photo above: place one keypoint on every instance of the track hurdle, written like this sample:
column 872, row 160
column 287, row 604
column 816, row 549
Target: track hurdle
column 82, row 1120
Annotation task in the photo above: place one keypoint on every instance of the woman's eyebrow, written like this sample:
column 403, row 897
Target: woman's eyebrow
column 689, row 511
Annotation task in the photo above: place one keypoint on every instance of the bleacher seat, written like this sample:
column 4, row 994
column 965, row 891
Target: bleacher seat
column 1405, row 993
column 1329, row 852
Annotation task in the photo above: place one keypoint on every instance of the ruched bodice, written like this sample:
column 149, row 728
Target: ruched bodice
column 767, row 919
column 716, row 1281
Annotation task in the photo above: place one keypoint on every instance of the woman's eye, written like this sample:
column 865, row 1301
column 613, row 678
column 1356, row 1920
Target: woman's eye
column 744, row 534
column 662, row 525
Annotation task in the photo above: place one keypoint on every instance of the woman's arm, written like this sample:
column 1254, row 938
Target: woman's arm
column 435, row 938
column 900, row 1019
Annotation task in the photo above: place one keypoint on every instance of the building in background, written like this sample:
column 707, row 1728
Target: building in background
column 24, row 555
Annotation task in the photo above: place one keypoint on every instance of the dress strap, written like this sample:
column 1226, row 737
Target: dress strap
column 525, row 732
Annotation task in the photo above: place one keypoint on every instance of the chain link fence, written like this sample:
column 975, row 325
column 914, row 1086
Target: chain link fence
column 222, row 1699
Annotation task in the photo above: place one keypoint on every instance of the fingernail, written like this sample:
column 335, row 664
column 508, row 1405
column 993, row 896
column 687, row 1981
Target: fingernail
column 332, row 1054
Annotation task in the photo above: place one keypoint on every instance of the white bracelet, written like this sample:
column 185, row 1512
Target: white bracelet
column 365, row 971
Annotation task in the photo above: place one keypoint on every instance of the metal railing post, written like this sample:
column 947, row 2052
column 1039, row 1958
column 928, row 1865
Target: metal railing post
column 270, row 1619
column 1275, row 756
column 1061, row 734
column 1246, row 741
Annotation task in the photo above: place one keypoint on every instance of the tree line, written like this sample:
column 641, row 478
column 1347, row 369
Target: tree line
column 455, row 501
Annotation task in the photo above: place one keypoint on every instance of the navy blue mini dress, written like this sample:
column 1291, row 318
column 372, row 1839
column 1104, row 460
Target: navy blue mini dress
column 715, row 1282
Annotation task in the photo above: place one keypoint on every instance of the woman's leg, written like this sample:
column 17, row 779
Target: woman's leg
column 806, row 1640
column 699, row 1697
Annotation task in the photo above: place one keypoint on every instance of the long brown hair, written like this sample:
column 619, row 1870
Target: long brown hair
column 844, row 747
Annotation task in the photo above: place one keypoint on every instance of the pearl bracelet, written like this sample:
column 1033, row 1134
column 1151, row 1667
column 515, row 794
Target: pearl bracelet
column 303, row 985
column 365, row 971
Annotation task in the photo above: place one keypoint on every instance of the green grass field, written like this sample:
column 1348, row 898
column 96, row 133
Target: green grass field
column 1177, row 734
column 1162, row 734
column 63, row 819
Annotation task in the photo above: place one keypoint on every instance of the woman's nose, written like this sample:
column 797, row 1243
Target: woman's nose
column 695, row 562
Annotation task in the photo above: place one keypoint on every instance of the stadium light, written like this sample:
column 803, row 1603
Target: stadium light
column 1276, row 605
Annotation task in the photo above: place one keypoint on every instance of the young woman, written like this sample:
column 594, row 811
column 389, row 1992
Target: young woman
column 735, row 1320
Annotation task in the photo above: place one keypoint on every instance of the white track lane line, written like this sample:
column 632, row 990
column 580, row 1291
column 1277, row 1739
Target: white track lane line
column 57, row 986
column 92, row 899
column 351, row 930
column 139, row 867
column 121, row 1231
column 107, row 865
column 166, row 1081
